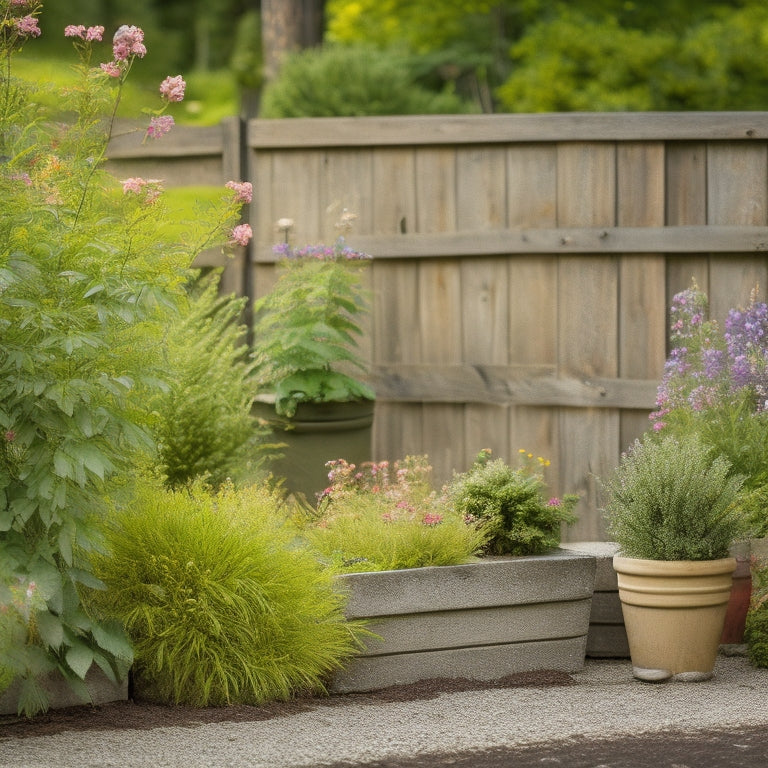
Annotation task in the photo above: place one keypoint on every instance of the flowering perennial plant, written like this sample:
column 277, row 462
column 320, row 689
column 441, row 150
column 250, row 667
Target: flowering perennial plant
column 709, row 369
column 87, row 290
column 306, row 327
column 386, row 516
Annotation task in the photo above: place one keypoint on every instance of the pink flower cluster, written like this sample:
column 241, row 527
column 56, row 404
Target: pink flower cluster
column 27, row 26
column 127, row 42
column 172, row 88
column 151, row 188
column 159, row 126
column 243, row 190
column 79, row 30
column 241, row 235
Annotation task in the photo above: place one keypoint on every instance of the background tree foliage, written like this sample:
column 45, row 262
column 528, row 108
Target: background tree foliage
column 496, row 55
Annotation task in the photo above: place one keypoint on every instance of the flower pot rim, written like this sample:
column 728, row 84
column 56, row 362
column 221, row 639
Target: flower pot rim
column 640, row 566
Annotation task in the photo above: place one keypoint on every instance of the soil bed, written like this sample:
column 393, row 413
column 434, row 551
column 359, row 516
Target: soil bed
column 138, row 715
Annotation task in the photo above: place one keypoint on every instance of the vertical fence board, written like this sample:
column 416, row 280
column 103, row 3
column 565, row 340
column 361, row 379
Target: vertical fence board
column 587, row 326
column 533, row 306
column 642, row 308
column 396, row 336
column 737, row 194
column 480, row 205
column 440, row 320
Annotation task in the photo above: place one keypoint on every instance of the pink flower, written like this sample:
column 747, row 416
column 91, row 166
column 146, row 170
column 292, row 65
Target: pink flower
column 172, row 88
column 27, row 26
column 159, row 126
column 243, row 190
column 94, row 33
column 24, row 176
column 21, row 3
column 128, row 41
column 554, row 502
column 432, row 519
column 135, row 184
column 10, row 436
column 111, row 68
column 241, row 234
column 72, row 30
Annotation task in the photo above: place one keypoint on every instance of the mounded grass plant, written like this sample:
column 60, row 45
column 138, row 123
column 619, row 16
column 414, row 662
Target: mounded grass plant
column 221, row 606
column 673, row 499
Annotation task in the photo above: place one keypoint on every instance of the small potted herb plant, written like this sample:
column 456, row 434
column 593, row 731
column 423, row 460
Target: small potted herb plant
column 672, row 510
column 306, row 332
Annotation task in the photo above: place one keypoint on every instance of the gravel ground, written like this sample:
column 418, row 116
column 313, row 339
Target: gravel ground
column 602, row 701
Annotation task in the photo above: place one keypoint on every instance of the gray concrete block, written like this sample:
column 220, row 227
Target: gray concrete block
column 486, row 663
column 603, row 552
column 101, row 689
column 482, row 620
column 561, row 575
column 483, row 626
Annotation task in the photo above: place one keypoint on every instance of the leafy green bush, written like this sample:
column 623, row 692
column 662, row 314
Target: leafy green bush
column 220, row 604
column 510, row 506
column 351, row 81
column 205, row 427
column 672, row 500
column 380, row 517
column 756, row 630
column 306, row 327
column 86, row 288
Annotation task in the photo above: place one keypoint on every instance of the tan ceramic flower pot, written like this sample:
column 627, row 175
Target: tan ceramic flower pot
column 674, row 614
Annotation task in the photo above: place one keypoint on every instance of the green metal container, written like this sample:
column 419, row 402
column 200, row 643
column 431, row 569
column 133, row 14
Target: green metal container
column 316, row 434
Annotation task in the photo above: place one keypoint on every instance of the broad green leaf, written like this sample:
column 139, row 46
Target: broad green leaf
column 111, row 638
column 50, row 628
column 79, row 658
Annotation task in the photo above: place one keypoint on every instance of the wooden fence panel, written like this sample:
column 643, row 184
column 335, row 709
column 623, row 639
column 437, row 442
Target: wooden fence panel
column 523, row 264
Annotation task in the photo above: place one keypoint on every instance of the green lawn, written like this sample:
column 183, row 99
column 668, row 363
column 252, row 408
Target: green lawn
column 210, row 96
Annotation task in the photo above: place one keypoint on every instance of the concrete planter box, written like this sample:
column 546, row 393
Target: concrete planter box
column 101, row 689
column 607, row 638
column 483, row 620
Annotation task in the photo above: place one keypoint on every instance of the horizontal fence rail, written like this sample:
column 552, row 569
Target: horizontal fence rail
column 522, row 265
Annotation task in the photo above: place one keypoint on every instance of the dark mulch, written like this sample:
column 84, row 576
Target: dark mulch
column 143, row 716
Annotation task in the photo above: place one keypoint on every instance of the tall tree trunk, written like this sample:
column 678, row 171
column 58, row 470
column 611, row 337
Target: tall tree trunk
column 288, row 25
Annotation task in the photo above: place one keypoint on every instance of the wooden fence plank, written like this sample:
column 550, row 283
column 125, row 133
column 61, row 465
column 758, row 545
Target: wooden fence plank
column 481, row 204
column 587, row 326
column 642, row 307
column 737, row 195
column 482, row 129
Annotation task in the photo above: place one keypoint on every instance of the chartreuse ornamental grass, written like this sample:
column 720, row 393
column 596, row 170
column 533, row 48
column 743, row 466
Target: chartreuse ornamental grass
column 221, row 606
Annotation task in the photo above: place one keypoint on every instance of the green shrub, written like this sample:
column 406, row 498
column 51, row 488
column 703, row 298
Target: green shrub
column 756, row 630
column 205, row 427
column 350, row 81
column 87, row 284
column 510, row 506
column 672, row 500
column 382, row 517
column 220, row 604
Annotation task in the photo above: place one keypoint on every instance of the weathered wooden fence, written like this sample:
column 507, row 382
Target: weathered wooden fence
column 523, row 265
